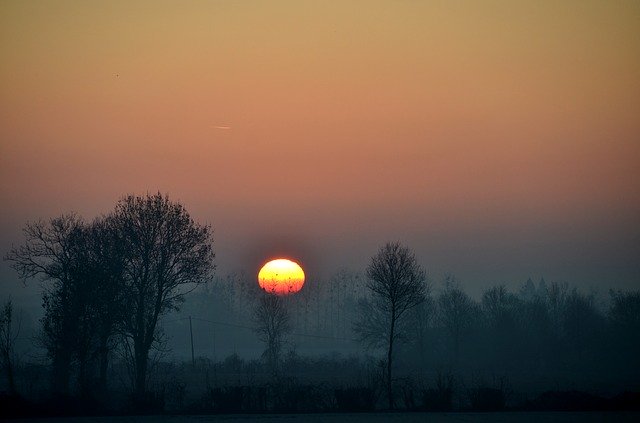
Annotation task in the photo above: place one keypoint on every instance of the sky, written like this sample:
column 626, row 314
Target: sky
column 500, row 140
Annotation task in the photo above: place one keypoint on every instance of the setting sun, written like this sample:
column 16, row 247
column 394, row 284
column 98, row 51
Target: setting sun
column 281, row 277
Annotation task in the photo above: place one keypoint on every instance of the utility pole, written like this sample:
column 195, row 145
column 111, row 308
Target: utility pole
column 193, row 358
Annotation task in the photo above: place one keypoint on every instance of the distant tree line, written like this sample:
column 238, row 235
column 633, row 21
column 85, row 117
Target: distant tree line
column 541, row 334
column 550, row 330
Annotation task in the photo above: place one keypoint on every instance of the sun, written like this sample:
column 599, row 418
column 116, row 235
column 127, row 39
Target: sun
column 281, row 277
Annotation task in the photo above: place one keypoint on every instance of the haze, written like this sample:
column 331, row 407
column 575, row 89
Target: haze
column 499, row 140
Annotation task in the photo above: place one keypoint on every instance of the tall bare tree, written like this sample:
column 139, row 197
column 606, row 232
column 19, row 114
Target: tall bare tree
column 272, row 322
column 167, row 255
column 397, row 283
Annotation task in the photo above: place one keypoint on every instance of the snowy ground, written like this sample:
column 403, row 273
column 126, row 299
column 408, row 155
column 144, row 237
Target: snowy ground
column 366, row 418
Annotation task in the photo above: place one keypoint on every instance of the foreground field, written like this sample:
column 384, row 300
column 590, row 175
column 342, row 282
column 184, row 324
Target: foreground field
column 369, row 418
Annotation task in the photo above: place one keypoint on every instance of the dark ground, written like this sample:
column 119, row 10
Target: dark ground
column 525, row 417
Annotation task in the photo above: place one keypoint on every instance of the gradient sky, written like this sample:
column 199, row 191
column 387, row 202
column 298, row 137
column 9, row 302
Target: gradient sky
column 499, row 139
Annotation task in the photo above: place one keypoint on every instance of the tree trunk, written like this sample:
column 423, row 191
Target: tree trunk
column 389, row 362
column 139, row 352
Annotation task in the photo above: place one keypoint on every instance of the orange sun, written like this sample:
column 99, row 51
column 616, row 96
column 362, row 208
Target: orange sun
column 281, row 277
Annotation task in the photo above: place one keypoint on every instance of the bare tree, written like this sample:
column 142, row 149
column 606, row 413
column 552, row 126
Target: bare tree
column 8, row 336
column 397, row 283
column 82, row 268
column 272, row 323
column 168, row 254
column 51, row 252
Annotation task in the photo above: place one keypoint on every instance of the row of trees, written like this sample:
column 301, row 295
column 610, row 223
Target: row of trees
column 552, row 330
column 107, row 282
column 544, row 333
column 539, row 333
column 537, row 326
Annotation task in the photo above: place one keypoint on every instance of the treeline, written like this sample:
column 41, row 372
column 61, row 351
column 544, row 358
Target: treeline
column 503, row 350
column 541, row 333
column 542, row 336
column 112, row 286
column 539, row 336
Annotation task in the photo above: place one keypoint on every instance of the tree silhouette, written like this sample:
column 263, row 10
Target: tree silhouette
column 167, row 255
column 51, row 251
column 82, row 265
column 396, row 283
column 272, row 323
column 105, row 268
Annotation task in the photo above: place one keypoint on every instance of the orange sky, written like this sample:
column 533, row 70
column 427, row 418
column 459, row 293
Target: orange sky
column 500, row 139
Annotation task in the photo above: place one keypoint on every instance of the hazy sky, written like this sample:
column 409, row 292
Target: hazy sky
column 499, row 139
